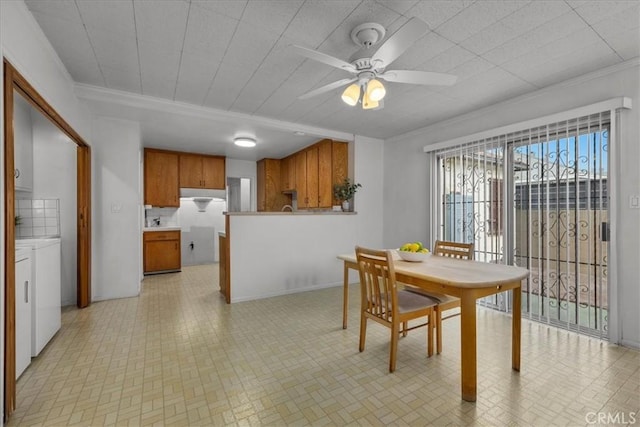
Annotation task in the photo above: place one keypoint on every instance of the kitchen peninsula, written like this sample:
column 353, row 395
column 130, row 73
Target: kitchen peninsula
column 277, row 253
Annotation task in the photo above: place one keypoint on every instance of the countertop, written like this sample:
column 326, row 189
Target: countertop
column 296, row 213
column 163, row 228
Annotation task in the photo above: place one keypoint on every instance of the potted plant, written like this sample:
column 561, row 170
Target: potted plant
column 344, row 192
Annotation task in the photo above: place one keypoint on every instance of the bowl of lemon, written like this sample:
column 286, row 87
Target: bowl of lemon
column 413, row 252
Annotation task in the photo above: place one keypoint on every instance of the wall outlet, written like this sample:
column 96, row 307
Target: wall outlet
column 116, row 207
column 634, row 202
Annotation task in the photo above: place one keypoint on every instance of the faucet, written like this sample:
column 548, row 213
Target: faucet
column 156, row 222
column 285, row 207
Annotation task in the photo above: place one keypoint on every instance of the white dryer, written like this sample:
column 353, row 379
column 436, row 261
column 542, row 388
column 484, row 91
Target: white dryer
column 46, row 310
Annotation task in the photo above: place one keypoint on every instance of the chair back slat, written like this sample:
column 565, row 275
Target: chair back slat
column 453, row 249
column 378, row 279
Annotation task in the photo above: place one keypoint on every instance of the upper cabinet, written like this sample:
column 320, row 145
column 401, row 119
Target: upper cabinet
column 269, row 195
column 200, row 171
column 23, row 144
column 311, row 172
column 161, row 172
column 288, row 173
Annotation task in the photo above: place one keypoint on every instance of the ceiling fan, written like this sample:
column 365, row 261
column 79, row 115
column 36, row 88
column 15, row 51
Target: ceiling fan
column 368, row 65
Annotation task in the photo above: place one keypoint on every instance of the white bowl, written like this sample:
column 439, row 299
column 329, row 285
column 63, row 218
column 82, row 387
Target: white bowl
column 413, row 256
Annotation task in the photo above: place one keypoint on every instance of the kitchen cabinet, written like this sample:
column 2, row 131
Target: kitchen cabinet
column 161, row 251
column 311, row 172
column 339, row 165
column 288, row 173
column 23, row 312
column 223, row 267
column 301, row 179
column 200, row 171
column 269, row 193
column 316, row 173
column 23, row 145
column 161, row 173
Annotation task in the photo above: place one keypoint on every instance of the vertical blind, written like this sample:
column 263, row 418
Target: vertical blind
column 537, row 198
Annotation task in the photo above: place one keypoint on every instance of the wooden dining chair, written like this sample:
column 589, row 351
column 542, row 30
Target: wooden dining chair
column 384, row 303
column 445, row 302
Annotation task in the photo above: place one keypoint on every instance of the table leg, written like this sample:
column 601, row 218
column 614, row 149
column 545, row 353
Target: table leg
column 345, row 296
column 516, row 328
column 468, row 346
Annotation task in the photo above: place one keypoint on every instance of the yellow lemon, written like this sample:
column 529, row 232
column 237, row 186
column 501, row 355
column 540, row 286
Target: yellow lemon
column 413, row 247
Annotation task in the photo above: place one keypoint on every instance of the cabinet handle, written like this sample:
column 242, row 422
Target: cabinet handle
column 16, row 173
column 26, row 291
column 176, row 245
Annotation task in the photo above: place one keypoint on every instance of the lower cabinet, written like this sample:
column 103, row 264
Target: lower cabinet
column 161, row 251
column 23, row 315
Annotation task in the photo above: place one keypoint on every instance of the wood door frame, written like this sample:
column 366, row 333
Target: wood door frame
column 13, row 80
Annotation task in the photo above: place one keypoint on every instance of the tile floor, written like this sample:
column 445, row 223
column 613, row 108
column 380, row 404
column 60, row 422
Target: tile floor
column 177, row 355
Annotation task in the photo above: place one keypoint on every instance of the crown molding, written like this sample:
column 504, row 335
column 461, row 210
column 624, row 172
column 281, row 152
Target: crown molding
column 452, row 122
column 128, row 99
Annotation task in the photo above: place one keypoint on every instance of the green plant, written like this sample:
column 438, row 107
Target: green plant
column 18, row 220
column 346, row 190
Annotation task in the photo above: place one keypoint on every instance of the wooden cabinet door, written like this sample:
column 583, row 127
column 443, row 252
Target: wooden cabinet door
column 261, row 185
column 161, row 251
column 191, row 171
column 270, row 197
column 213, row 173
column 339, row 164
column 301, row 179
column 325, row 175
column 285, row 167
column 161, row 185
column 274, row 196
column 312, row 177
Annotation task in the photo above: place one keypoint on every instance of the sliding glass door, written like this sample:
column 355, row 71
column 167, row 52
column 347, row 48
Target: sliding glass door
column 537, row 199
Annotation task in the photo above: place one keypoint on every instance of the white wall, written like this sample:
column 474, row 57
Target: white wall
column 116, row 209
column 277, row 254
column 55, row 177
column 294, row 253
column 25, row 46
column 405, row 184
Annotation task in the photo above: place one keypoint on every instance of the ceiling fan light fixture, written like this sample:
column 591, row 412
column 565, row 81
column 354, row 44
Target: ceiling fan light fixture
column 243, row 141
column 375, row 90
column 368, row 103
column 351, row 94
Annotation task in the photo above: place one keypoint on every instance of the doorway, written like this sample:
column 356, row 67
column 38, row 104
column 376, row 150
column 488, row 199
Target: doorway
column 538, row 199
column 14, row 81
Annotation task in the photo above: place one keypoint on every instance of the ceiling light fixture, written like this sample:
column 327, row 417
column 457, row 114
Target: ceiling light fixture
column 351, row 94
column 375, row 90
column 243, row 141
column 369, row 93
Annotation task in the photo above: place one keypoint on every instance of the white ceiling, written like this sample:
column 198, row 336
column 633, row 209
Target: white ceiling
column 232, row 56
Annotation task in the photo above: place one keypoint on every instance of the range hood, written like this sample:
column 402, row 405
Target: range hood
column 202, row 192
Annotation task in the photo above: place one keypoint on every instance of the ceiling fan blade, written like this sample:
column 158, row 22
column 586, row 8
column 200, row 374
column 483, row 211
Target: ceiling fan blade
column 400, row 41
column 327, row 88
column 323, row 57
column 419, row 77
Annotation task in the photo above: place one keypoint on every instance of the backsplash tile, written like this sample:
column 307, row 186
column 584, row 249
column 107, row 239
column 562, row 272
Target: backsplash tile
column 168, row 216
column 38, row 218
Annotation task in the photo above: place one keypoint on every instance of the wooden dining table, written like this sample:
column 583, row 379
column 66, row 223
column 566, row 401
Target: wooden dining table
column 467, row 280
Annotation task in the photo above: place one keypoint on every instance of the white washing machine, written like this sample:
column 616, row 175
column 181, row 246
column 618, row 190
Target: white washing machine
column 46, row 311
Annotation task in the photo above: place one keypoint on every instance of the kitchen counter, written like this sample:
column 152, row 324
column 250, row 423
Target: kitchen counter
column 296, row 213
column 163, row 228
